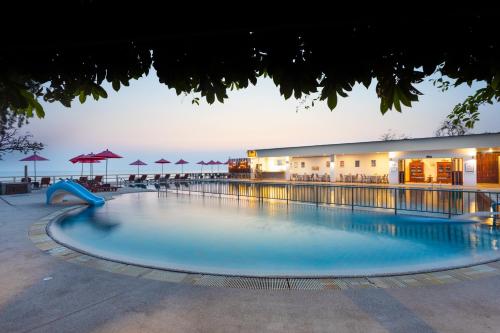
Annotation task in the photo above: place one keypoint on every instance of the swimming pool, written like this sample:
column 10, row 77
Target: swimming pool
column 251, row 238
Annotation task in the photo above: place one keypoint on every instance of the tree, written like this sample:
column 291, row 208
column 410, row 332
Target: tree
column 11, row 140
column 393, row 135
column 395, row 49
column 450, row 128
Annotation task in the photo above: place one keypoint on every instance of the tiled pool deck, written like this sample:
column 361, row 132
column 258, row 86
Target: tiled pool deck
column 48, row 288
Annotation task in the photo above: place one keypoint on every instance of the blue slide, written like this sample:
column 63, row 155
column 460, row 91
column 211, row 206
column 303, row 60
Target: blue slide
column 57, row 191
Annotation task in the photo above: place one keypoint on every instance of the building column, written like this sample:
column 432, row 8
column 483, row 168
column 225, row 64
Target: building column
column 287, row 168
column 393, row 175
column 332, row 168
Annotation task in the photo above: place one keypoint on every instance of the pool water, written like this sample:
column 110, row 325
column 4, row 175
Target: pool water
column 227, row 236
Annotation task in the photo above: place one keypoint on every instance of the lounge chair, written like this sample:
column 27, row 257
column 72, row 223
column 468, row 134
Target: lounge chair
column 45, row 182
column 177, row 176
column 130, row 181
column 103, row 188
column 185, row 177
column 142, row 179
column 165, row 179
column 156, row 178
column 83, row 180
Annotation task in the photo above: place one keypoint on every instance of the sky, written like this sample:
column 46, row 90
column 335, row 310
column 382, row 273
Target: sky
column 148, row 121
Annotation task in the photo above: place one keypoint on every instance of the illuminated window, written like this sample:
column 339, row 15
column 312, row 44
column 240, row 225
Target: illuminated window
column 295, row 165
column 374, row 163
column 341, row 164
column 302, row 164
column 327, row 164
column 279, row 162
column 356, row 164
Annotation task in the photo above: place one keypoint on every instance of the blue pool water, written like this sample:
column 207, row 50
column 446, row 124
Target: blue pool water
column 227, row 236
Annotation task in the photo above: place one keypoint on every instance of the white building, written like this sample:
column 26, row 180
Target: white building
column 467, row 160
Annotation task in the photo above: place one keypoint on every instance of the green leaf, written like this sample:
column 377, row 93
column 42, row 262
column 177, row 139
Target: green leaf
column 495, row 82
column 384, row 105
column 101, row 92
column 116, row 85
column 286, row 91
column 395, row 99
column 82, row 97
column 367, row 81
column 210, row 97
column 95, row 94
column 332, row 100
column 403, row 98
column 39, row 110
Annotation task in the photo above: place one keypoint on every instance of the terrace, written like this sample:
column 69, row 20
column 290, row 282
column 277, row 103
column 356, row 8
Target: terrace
column 114, row 296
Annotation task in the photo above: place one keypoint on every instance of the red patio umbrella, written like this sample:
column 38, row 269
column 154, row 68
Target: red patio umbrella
column 162, row 161
column 86, row 158
column 76, row 159
column 182, row 162
column 211, row 163
column 35, row 157
column 107, row 154
column 138, row 163
column 202, row 163
column 218, row 163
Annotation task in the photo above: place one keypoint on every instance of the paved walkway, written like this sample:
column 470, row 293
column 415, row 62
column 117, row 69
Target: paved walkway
column 41, row 293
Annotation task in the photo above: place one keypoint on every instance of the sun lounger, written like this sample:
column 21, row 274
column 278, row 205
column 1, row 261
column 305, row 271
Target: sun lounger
column 45, row 182
column 142, row 179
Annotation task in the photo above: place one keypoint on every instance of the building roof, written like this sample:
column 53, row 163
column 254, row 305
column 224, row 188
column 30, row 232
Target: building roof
column 478, row 141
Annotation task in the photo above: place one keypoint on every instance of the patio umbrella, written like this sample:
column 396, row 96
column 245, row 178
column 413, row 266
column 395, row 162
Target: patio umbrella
column 162, row 161
column 76, row 159
column 107, row 154
column 218, row 163
column 34, row 158
column 138, row 163
column 211, row 163
column 202, row 163
column 86, row 158
column 182, row 162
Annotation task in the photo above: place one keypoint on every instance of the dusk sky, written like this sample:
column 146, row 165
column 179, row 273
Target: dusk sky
column 149, row 121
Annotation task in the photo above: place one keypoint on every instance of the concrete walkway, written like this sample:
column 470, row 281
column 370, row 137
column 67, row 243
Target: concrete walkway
column 40, row 293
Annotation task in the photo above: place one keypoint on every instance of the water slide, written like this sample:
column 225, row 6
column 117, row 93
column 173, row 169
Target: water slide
column 57, row 191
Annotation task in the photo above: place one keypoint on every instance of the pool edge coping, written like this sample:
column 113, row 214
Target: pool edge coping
column 40, row 235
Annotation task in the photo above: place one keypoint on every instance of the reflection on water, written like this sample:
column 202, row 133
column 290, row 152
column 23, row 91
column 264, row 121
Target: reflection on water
column 439, row 201
column 250, row 237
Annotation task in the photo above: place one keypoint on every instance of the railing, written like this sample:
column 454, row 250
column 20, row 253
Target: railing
column 114, row 179
column 445, row 202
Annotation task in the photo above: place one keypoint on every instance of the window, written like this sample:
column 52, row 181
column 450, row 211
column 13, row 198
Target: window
column 374, row 163
column 356, row 164
column 341, row 164
column 295, row 165
column 327, row 164
column 302, row 164
column 279, row 162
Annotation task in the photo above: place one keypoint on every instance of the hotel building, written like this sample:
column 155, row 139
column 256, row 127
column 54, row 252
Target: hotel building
column 466, row 160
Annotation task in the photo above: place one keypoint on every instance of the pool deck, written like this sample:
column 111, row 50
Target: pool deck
column 44, row 290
